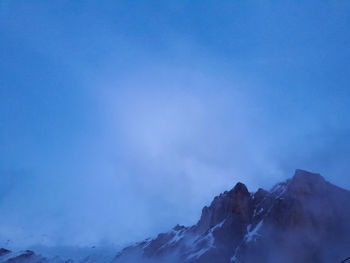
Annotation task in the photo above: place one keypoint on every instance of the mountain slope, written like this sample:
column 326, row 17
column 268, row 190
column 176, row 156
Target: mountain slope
column 27, row 256
column 305, row 219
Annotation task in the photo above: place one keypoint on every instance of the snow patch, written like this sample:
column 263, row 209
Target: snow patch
column 208, row 238
column 178, row 236
column 256, row 213
column 279, row 190
column 252, row 233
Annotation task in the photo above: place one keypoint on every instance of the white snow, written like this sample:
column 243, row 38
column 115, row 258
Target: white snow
column 256, row 213
column 235, row 259
column 217, row 226
column 198, row 253
column 178, row 235
column 279, row 189
column 252, row 233
column 210, row 241
column 147, row 243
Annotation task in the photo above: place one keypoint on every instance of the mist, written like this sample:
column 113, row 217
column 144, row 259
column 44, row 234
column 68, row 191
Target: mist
column 121, row 120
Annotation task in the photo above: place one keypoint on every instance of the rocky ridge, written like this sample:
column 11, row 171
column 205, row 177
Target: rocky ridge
column 304, row 219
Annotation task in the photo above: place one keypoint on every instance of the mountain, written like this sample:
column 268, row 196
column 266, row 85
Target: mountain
column 103, row 254
column 302, row 220
column 27, row 256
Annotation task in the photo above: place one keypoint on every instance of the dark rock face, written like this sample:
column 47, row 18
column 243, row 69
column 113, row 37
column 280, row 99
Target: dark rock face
column 305, row 219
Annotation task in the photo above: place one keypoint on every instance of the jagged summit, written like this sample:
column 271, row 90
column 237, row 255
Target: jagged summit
column 301, row 172
column 304, row 214
column 302, row 175
column 240, row 188
column 306, row 183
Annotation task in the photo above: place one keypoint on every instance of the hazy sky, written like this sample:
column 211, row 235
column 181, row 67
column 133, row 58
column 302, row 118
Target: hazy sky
column 120, row 119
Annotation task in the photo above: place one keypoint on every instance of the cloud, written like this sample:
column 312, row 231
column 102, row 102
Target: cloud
column 138, row 124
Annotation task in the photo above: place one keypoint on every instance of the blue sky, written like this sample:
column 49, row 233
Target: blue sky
column 120, row 119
